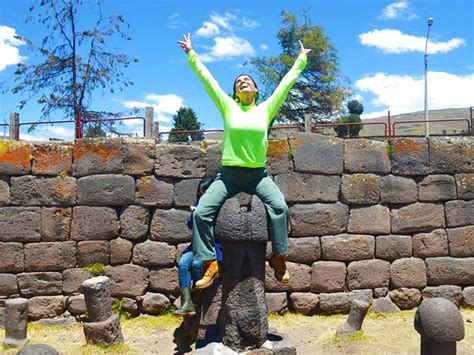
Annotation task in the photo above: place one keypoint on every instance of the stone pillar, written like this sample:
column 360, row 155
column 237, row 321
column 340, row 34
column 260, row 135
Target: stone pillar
column 102, row 326
column 148, row 122
column 307, row 122
column 16, row 322
column 354, row 321
column 14, row 121
column 440, row 325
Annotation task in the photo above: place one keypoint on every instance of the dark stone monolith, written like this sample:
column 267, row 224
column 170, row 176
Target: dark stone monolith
column 16, row 322
column 440, row 325
column 38, row 349
column 102, row 326
column 354, row 321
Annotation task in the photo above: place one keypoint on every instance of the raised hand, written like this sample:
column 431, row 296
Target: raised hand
column 303, row 49
column 186, row 44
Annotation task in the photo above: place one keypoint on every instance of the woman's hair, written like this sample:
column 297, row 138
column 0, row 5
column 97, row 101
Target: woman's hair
column 203, row 186
column 234, row 94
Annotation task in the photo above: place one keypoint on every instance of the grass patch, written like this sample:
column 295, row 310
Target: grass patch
column 102, row 349
column 165, row 321
column 96, row 269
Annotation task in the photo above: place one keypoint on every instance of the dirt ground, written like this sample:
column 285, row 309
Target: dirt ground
column 381, row 334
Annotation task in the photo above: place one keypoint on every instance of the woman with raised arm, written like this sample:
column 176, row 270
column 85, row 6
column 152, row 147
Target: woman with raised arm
column 244, row 151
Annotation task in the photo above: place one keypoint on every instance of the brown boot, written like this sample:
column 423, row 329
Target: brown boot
column 277, row 263
column 211, row 273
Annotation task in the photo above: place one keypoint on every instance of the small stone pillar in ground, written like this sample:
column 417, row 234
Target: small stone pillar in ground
column 102, row 326
column 16, row 322
column 354, row 321
column 440, row 325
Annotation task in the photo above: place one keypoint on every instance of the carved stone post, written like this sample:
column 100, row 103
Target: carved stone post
column 16, row 322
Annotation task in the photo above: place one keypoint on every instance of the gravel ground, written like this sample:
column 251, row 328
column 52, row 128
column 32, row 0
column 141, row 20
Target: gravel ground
column 381, row 334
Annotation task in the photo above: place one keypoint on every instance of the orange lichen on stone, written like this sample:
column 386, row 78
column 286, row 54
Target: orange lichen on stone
column 144, row 185
column 16, row 153
column 278, row 147
column 296, row 142
column 103, row 150
column 403, row 146
column 63, row 189
column 52, row 159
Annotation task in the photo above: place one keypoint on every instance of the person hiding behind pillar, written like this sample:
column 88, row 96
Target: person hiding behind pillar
column 190, row 269
column 244, row 150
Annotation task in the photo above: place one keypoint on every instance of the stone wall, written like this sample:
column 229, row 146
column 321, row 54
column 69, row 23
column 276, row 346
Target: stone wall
column 368, row 219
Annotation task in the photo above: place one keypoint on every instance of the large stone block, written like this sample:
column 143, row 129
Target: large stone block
column 277, row 302
column 154, row 192
column 468, row 296
column 417, row 217
column 360, row 189
column 304, row 303
column 106, row 190
column 180, row 161
column 15, row 158
column 55, row 224
column 449, row 292
column 52, row 159
column 94, row 223
column 347, row 247
column 73, row 279
column 464, row 186
column 154, row 303
column 37, row 191
column 164, row 280
column 151, row 253
column 451, row 155
column 340, row 302
column 50, row 256
column 40, row 283
column 120, row 251
column 408, row 272
column 97, row 156
column 461, row 241
column 214, row 156
column 430, row 244
column 127, row 280
column 76, row 305
column 397, row 189
column 20, row 224
column 406, row 298
column 459, row 213
column 317, row 154
column 328, row 276
column 368, row 274
column 298, row 187
column 300, row 278
column 46, row 307
column 391, row 247
column 185, row 192
column 138, row 156
column 279, row 156
column 93, row 251
column 437, row 188
column 409, row 156
column 12, row 257
column 170, row 226
column 134, row 221
column 450, row 271
column 318, row 219
column 366, row 156
column 369, row 220
column 304, row 250
column 8, row 285
column 4, row 191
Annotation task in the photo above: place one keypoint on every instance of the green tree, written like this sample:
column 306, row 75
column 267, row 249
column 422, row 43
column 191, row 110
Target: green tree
column 355, row 109
column 319, row 90
column 75, row 61
column 185, row 119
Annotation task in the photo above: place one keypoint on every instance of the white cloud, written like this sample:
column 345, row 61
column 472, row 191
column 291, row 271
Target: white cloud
column 403, row 94
column 399, row 9
column 249, row 23
column 44, row 132
column 208, row 29
column 393, row 41
column 263, row 47
column 164, row 106
column 228, row 47
column 175, row 22
column 224, row 21
column 9, row 53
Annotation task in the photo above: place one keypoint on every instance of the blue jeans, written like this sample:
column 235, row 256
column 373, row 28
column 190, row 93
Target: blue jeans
column 189, row 268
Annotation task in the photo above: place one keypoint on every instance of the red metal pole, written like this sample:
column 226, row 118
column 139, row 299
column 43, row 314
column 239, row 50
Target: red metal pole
column 78, row 125
column 389, row 125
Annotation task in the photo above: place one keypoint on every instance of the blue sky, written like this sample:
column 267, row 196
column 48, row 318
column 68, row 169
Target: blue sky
column 380, row 46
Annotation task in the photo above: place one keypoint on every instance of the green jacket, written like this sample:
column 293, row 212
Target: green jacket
column 245, row 127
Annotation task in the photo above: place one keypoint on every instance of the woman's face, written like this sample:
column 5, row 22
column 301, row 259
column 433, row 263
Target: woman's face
column 244, row 85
